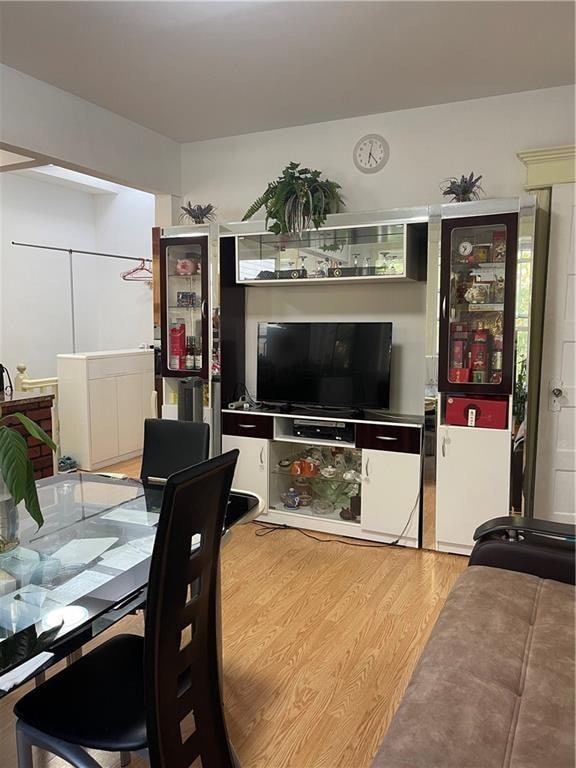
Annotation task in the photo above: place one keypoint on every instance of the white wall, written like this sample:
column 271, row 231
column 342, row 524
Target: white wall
column 403, row 304
column 35, row 309
column 426, row 146
column 38, row 117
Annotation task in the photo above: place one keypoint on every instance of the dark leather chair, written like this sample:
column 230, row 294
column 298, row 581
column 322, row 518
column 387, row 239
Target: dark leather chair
column 138, row 694
column 170, row 446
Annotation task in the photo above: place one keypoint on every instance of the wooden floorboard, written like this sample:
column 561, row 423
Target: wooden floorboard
column 320, row 640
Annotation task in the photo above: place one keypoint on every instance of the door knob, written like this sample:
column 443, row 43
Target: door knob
column 557, row 392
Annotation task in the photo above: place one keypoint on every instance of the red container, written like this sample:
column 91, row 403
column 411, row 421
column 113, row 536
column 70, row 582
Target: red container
column 486, row 412
column 459, row 375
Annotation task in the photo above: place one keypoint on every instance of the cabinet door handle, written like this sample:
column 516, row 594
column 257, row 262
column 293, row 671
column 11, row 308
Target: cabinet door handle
column 444, row 446
column 384, row 437
column 262, row 455
column 444, row 307
column 247, row 426
column 367, row 465
column 203, row 308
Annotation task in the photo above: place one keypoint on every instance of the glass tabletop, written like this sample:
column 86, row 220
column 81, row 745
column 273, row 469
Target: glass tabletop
column 91, row 554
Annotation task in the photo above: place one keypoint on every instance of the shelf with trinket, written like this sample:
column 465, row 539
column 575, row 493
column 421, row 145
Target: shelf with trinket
column 477, row 304
column 362, row 253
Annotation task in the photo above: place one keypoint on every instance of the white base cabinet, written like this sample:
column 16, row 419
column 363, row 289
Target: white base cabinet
column 382, row 467
column 472, row 483
column 391, row 495
column 252, row 468
column 104, row 398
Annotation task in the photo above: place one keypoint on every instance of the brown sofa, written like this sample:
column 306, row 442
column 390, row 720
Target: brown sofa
column 494, row 687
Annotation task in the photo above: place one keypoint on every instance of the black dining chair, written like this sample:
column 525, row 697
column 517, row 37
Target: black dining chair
column 159, row 694
column 170, row 446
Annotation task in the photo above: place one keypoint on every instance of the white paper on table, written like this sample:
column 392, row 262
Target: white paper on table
column 136, row 516
column 24, row 670
column 79, row 586
column 83, row 551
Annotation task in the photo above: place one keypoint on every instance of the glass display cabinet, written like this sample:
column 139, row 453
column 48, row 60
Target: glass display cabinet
column 383, row 252
column 184, row 306
column 316, row 480
column 478, row 284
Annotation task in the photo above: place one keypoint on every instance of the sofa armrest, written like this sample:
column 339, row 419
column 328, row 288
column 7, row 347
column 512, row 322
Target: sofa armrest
column 539, row 547
column 514, row 524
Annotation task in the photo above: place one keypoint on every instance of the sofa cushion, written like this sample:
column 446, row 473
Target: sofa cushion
column 495, row 684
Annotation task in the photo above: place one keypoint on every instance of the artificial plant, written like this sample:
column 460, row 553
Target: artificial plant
column 15, row 466
column 464, row 189
column 297, row 199
column 199, row 213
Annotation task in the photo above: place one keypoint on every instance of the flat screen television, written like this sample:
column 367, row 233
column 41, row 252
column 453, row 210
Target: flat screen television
column 338, row 365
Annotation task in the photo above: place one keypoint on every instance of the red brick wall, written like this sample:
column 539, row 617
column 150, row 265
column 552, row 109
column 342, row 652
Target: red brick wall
column 39, row 410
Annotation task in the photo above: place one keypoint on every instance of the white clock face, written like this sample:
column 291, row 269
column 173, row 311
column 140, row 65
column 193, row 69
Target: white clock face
column 465, row 248
column 371, row 153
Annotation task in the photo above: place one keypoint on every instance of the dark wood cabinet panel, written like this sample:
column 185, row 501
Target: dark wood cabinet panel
column 389, row 438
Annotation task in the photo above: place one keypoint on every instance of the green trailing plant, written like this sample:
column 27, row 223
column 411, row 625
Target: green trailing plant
column 297, row 199
column 15, row 466
column 464, row 189
column 198, row 213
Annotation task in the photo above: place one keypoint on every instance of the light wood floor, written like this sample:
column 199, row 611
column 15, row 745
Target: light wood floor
column 320, row 640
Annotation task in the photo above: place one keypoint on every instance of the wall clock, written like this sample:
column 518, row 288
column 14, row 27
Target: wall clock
column 371, row 153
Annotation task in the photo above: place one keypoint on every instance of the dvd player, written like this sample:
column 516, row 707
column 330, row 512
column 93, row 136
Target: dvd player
column 325, row 430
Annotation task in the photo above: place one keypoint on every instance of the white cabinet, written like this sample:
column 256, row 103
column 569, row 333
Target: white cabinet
column 104, row 398
column 472, row 483
column 252, row 467
column 391, row 494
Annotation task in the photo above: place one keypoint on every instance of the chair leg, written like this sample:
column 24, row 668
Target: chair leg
column 124, row 759
column 27, row 737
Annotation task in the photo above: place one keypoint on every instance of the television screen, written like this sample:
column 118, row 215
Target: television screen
column 329, row 364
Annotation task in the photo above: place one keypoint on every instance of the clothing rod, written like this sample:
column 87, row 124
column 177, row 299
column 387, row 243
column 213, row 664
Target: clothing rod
column 74, row 250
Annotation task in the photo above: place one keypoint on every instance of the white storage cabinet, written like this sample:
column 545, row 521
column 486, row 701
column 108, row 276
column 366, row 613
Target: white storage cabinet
column 104, row 398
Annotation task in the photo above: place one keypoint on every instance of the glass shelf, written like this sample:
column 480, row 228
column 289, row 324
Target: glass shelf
column 355, row 253
column 478, row 276
column 184, row 300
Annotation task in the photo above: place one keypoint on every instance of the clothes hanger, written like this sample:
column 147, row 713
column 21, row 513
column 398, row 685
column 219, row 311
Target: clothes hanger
column 138, row 273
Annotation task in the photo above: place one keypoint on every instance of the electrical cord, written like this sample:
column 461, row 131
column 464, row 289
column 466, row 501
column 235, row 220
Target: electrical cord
column 266, row 528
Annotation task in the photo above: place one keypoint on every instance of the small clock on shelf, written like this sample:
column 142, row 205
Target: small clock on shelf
column 371, row 153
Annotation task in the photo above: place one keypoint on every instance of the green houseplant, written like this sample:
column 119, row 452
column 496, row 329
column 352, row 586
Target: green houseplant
column 17, row 477
column 464, row 189
column 297, row 199
column 199, row 213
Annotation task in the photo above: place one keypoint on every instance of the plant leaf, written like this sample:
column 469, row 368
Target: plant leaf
column 34, row 430
column 14, row 462
column 31, row 498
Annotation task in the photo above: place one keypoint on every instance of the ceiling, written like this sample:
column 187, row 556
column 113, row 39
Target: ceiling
column 198, row 70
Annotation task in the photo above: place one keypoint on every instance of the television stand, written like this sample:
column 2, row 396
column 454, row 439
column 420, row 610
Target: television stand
column 365, row 483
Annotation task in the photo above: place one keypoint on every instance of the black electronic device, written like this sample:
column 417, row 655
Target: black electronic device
column 338, row 365
column 324, row 430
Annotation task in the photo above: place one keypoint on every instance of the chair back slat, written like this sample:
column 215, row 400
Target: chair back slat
column 182, row 618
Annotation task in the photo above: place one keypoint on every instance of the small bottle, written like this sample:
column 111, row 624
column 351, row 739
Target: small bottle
column 189, row 361
column 198, row 354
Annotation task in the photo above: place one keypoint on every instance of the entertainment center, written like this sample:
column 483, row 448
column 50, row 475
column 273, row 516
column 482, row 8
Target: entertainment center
column 379, row 467
column 383, row 347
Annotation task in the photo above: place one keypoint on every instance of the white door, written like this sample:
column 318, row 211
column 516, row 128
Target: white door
column 391, row 494
column 252, row 468
column 555, row 484
column 131, row 413
column 103, row 420
column 472, row 483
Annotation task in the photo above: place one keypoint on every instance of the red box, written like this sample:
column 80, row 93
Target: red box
column 459, row 375
column 486, row 412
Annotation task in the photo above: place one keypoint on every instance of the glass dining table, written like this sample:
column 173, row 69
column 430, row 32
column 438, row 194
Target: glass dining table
column 83, row 570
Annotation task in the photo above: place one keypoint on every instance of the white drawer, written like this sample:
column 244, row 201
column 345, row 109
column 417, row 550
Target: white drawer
column 102, row 367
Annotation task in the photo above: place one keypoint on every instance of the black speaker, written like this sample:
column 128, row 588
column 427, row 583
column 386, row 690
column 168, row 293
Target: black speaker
column 191, row 399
